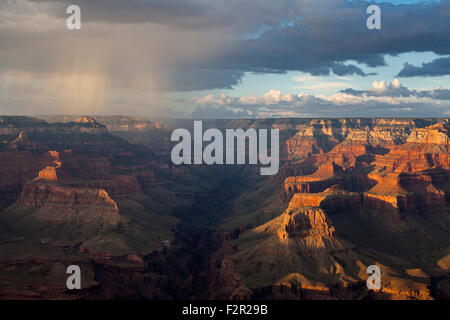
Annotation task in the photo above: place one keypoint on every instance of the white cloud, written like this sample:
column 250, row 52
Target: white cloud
column 396, row 83
column 379, row 86
column 276, row 104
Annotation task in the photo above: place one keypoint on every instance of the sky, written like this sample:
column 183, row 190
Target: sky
column 225, row 58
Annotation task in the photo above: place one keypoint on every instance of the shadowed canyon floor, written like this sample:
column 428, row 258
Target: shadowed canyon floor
column 101, row 192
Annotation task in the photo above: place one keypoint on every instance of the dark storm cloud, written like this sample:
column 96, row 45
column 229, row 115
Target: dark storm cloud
column 173, row 12
column 327, row 32
column 162, row 44
column 341, row 69
column 243, row 15
column 437, row 67
column 338, row 68
column 301, row 35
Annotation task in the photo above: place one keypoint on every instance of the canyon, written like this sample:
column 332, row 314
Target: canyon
column 101, row 192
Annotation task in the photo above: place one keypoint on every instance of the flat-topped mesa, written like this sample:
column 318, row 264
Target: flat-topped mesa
column 333, row 199
column 300, row 200
column 51, row 196
column 323, row 178
column 86, row 204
